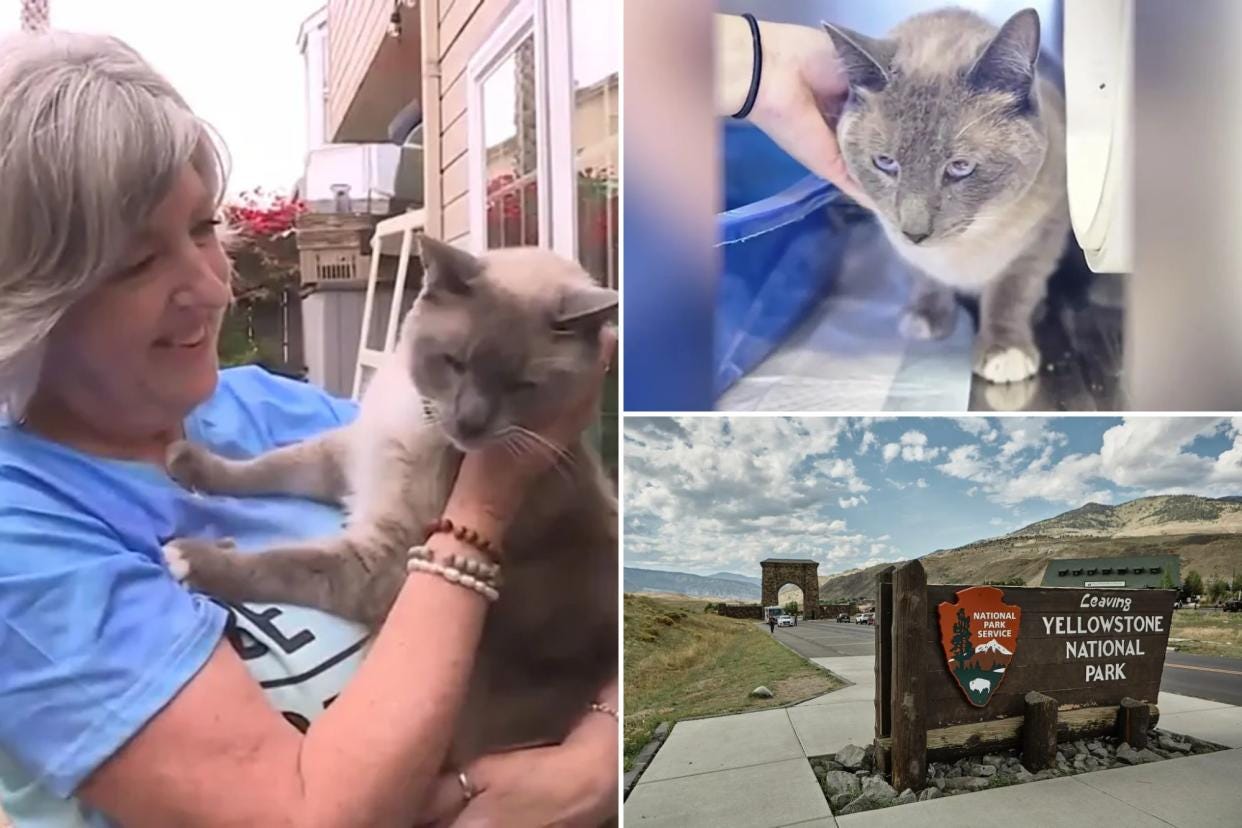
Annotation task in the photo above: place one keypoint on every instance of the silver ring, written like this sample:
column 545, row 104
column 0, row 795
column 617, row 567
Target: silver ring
column 467, row 790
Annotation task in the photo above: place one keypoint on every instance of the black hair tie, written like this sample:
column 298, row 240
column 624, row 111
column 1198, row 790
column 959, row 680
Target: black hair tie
column 757, row 72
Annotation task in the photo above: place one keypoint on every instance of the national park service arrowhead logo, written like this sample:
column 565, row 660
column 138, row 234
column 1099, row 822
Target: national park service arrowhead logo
column 979, row 633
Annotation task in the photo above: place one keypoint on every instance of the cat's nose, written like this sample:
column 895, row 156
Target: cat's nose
column 915, row 236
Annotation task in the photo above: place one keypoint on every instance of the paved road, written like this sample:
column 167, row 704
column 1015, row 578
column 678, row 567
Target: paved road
column 827, row 639
column 1204, row 677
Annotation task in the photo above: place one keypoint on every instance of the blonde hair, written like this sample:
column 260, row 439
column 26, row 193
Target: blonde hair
column 91, row 140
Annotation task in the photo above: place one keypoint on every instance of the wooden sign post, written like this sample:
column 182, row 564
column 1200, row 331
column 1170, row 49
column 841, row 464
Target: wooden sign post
column 963, row 670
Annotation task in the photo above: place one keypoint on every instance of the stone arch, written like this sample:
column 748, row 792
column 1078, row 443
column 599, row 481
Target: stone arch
column 801, row 573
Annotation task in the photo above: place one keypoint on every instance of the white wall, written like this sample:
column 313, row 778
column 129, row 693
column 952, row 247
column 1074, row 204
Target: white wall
column 313, row 43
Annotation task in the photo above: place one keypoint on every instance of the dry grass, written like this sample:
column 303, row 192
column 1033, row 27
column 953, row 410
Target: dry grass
column 1207, row 632
column 681, row 662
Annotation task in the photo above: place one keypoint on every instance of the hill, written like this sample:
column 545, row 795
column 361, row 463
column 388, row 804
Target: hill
column 695, row 586
column 681, row 662
column 734, row 576
column 1205, row 533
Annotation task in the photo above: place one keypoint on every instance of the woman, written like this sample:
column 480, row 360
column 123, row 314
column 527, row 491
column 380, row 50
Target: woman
column 125, row 698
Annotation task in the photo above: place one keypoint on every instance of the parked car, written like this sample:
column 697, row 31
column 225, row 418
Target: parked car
column 843, row 618
column 784, row 620
column 865, row 618
column 1233, row 605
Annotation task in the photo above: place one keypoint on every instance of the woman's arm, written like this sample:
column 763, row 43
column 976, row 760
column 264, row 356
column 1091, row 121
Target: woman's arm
column 572, row 784
column 219, row 755
column 802, row 87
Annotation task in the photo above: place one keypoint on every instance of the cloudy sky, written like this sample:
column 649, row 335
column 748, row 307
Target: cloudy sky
column 235, row 61
column 710, row 494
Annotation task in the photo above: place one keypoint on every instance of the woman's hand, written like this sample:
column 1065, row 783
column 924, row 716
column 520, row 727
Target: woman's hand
column 801, row 92
column 572, row 784
column 491, row 482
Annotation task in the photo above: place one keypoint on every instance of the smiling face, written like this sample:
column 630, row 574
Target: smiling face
column 942, row 128
column 140, row 350
column 500, row 340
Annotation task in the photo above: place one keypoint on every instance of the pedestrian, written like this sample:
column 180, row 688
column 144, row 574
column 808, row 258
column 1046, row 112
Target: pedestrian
column 772, row 624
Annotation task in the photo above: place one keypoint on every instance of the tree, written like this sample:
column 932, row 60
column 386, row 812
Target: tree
column 792, row 608
column 1166, row 581
column 962, row 648
column 1192, row 584
column 262, row 247
column 1217, row 590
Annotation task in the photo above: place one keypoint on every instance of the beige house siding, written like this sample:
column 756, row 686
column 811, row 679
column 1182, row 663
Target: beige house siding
column 355, row 33
column 463, row 26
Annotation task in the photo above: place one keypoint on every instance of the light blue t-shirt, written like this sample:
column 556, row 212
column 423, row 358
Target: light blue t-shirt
column 96, row 636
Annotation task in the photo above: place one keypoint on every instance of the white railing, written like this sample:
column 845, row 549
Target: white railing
column 404, row 225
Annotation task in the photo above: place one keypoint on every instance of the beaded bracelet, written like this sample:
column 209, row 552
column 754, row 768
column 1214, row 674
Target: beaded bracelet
column 454, row 576
column 606, row 709
column 464, row 534
column 488, row 573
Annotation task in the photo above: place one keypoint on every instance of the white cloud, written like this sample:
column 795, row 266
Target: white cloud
column 912, row 448
column 978, row 427
column 868, row 440
column 1149, row 452
column 921, row 483
column 709, row 493
column 966, row 462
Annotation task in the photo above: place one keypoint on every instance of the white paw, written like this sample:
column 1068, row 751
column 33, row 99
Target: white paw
column 1003, row 365
column 914, row 326
column 177, row 560
column 919, row 325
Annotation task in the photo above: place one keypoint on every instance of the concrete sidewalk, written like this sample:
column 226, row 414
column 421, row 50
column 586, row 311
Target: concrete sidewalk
column 751, row 770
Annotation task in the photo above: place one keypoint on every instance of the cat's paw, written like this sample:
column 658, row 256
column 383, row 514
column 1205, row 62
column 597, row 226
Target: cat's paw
column 190, row 465
column 187, row 559
column 1006, row 363
column 921, row 324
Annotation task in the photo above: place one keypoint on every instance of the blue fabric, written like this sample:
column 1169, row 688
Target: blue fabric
column 95, row 635
column 780, row 250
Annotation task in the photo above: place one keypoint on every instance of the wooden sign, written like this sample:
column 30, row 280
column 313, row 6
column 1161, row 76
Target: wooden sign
column 1082, row 647
column 979, row 634
column 959, row 668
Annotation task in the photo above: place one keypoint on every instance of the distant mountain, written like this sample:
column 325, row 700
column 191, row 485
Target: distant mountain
column 1159, row 515
column 1205, row 533
column 733, row 576
column 992, row 646
column 696, row 586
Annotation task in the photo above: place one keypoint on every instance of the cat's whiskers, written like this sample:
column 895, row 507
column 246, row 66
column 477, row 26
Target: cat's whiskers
column 532, row 441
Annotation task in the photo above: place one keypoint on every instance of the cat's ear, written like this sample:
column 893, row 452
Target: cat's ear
column 446, row 267
column 585, row 308
column 866, row 59
column 1007, row 64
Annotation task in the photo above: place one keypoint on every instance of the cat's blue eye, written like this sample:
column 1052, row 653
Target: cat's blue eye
column 886, row 163
column 959, row 168
column 454, row 364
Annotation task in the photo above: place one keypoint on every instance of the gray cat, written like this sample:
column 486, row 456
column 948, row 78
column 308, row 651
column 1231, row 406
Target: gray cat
column 959, row 142
column 489, row 343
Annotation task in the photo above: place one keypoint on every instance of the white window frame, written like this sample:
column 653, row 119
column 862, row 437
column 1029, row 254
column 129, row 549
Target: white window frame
column 548, row 21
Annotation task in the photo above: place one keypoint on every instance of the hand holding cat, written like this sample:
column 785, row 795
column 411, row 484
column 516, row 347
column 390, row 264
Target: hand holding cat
column 492, row 481
column 801, row 92
column 571, row 784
